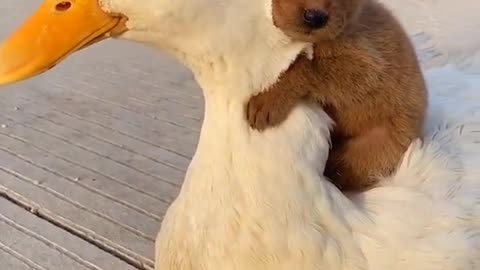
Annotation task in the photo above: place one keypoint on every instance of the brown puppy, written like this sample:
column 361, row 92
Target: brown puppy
column 366, row 76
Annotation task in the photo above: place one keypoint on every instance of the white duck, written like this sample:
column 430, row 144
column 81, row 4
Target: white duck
column 257, row 200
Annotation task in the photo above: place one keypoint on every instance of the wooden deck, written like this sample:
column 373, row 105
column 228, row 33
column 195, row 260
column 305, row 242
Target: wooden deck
column 91, row 155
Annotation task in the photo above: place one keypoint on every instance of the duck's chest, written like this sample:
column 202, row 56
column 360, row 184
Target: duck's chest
column 237, row 231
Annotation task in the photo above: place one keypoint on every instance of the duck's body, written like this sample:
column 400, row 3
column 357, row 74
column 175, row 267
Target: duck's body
column 249, row 204
column 257, row 200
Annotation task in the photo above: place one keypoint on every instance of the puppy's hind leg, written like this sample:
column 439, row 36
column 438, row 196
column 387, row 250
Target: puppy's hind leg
column 357, row 163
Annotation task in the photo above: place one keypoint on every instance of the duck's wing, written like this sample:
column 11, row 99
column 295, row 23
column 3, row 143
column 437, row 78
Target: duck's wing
column 443, row 31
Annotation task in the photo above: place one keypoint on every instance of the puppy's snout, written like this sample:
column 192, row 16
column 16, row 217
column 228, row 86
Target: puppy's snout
column 315, row 18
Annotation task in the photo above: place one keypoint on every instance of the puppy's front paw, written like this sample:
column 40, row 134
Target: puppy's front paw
column 264, row 110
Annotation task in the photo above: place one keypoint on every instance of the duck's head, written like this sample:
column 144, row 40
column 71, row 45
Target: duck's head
column 222, row 36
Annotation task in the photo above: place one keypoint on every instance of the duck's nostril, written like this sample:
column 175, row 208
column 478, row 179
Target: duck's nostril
column 63, row 6
column 315, row 19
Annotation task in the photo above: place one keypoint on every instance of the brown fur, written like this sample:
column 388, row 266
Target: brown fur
column 366, row 76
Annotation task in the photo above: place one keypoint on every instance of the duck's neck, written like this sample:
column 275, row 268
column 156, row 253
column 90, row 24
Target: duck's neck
column 228, row 80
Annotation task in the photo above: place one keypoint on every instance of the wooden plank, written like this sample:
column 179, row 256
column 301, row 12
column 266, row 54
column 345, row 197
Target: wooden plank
column 103, row 133
column 29, row 144
column 176, row 139
column 29, row 242
column 12, row 261
column 91, row 223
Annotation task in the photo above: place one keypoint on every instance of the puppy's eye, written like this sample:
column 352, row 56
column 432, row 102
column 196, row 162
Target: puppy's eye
column 315, row 19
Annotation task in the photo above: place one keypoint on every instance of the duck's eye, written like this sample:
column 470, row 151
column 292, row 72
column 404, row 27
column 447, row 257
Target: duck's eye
column 315, row 19
column 63, row 6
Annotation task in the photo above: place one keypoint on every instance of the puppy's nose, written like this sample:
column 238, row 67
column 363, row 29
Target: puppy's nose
column 315, row 18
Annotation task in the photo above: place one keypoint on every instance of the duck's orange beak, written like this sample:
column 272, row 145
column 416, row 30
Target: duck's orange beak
column 56, row 30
